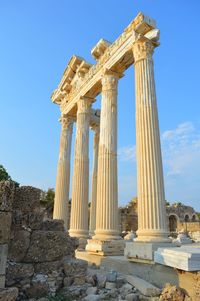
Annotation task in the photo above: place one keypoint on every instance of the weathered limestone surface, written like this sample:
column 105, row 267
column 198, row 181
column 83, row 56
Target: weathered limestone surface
column 63, row 172
column 107, row 224
column 79, row 209
column 92, row 226
column 47, row 246
column 151, row 198
column 107, row 190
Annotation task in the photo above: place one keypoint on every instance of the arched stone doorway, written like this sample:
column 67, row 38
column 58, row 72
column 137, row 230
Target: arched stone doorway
column 187, row 218
column 172, row 223
column 194, row 218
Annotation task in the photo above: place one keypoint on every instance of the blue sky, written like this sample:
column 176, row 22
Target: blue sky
column 38, row 38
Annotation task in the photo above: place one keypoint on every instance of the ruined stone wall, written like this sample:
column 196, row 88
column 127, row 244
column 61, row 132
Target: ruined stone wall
column 6, row 201
column 189, row 226
column 39, row 253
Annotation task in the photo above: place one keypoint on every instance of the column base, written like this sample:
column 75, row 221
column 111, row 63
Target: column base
column 105, row 247
column 152, row 236
column 144, row 250
column 106, row 235
column 78, row 233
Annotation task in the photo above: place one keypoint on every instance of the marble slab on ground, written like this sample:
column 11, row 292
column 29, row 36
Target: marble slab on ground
column 186, row 258
column 143, row 250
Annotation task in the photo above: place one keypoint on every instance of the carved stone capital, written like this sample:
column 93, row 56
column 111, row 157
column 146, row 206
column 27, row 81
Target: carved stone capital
column 84, row 105
column 143, row 49
column 109, row 81
column 67, row 122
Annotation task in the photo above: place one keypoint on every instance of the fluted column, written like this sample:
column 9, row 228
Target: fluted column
column 92, row 227
column 151, row 198
column 79, row 206
column 107, row 189
column 63, row 172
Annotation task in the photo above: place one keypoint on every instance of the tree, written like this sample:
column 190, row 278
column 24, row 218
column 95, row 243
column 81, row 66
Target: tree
column 48, row 196
column 4, row 176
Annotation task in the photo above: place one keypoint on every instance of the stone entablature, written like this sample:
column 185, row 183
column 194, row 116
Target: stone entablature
column 117, row 57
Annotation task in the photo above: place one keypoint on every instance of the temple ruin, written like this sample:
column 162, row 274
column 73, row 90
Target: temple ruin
column 75, row 94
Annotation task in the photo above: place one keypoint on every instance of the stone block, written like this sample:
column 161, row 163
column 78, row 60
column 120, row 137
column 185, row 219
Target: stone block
column 9, row 294
column 27, row 198
column 53, row 225
column 185, row 258
column 31, row 220
column 2, row 281
column 106, row 247
column 47, row 246
column 18, row 246
column 7, row 189
column 143, row 286
column 3, row 258
column 17, row 272
column 49, row 268
column 143, row 250
column 74, row 267
column 5, row 224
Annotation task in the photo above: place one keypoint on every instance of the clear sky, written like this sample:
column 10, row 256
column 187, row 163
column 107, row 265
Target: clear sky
column 38, row 37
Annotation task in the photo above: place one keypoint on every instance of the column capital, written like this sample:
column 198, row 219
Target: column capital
column 110, row 79
column 84, row 105
column 66, row 121
column 143, row 49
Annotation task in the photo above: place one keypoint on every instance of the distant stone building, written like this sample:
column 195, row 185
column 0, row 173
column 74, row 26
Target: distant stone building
column 182, row 217
column 179, row 217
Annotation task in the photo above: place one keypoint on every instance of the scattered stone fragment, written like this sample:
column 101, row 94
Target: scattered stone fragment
column 143, row 286
column 111, row 276
column 132, row 297
column 91, row 291
column 92, row 298
column 101, row 278
column 110, row 285
column 172, row 293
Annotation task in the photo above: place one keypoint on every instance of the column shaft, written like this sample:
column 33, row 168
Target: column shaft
column 107, row 189
column 151, row 197
column 94, row 180
column 63, row 172
column 79, row 206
